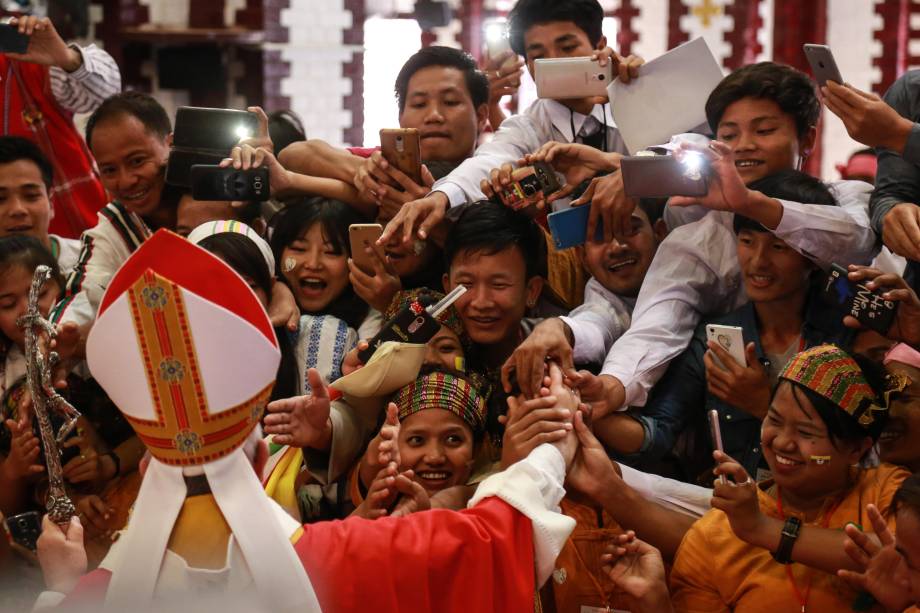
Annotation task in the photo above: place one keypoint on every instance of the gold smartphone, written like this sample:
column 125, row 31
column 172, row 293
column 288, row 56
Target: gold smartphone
column 400, row 147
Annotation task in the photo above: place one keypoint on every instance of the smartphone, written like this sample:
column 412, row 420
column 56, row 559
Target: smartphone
column 569, row 227
column 213, row 129
column 211, row 182
column 716, row 431
column 662, row 176
column 499, row 45
column 822, row 63
column 529, row 184
column 413, row 324
column 180, row 162
column 849, row 298
column 11, row 41
column 400, row 147
column 362, row 235
column 731, row 339
column 24, row 529
column 571, row 77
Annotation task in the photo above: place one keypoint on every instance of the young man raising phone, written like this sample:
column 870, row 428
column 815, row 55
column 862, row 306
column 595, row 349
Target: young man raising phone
column 540, row 29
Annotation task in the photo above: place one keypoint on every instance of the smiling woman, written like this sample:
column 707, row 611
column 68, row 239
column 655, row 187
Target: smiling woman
column 825, row 414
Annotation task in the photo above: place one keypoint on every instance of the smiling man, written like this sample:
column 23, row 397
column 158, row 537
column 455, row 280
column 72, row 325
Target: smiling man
column 25, row 205
column 129, row 137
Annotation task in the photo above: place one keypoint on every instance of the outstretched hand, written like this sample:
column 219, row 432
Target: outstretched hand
column 302, row 421
column 637, row 568
column 883, row 573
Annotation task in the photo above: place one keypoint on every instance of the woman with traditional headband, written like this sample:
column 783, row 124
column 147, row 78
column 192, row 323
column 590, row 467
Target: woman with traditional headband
column 826, row 412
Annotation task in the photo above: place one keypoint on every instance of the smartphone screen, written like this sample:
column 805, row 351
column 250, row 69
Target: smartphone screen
column 11, row 41
column 215, row 129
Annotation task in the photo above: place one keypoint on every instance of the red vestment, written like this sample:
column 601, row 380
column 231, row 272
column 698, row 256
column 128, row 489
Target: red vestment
column 479, row 559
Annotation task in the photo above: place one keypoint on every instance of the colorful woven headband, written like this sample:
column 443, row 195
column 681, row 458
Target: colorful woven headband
column 449, row 317
column 442, row 390
column 833, row 374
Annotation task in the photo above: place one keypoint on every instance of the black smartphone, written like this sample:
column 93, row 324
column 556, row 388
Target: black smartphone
column 215, row 129
column 180, row 162
column 24, row 529
column 413, row 324
column 11, row 41
column 210, row 182
column 868, row 307
column 663, row 176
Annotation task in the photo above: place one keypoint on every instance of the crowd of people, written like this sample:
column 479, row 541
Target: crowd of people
column 572, row 437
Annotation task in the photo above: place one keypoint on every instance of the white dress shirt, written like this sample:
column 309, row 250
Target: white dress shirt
column 696, row 272
column 544, row 121
column 600, row 320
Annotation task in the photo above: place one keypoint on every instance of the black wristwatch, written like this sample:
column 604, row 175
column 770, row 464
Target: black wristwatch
column 790, row 533
column 116, row 461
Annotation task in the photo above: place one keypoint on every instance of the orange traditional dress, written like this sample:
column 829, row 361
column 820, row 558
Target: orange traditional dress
column 716, row 571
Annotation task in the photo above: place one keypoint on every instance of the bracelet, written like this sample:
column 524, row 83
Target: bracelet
column 117, row 461
column 788, row 536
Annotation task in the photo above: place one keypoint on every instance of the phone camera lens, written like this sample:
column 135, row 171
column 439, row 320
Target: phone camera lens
column 821, row 64
column 601, row 77
column 529, row 190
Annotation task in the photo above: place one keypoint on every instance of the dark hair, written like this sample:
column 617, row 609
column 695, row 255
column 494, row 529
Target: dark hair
column 653, row 208
column 285, row 127
column 908, row 495
column 786, row 185
column 792, row 90
column 841, row 426
column 289, row 224
column 15, row 148
column 142, row 106
column 243, row 256
column 476, row 81
column 489, row 228
column 28, row 252
column 588, row 15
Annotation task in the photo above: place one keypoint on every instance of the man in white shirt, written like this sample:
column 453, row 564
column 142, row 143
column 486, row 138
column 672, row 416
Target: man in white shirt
column 538, row 29
column 618, row 268
column 764, row 117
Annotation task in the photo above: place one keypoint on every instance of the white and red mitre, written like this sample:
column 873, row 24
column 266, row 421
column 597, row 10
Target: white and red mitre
column 187, row 352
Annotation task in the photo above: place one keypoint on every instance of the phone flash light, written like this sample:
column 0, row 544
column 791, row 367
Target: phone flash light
column 494, row 32
column 821, row 459
column 692, row 161
column 243, row 132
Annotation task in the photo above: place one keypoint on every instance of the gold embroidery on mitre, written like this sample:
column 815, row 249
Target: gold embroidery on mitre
column 185, row 431
column 155, row 297
column 171, row 370
column 187, row 442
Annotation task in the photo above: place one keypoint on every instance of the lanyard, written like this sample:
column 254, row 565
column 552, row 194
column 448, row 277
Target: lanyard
column 802, row 599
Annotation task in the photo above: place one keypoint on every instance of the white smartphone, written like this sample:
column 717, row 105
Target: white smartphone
column 497, row 45
column 822, row 63
column 571, row 77
column 716, row 433
column 730, row 339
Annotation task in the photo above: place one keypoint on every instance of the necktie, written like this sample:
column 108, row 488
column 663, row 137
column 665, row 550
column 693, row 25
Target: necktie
column 592, row 133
